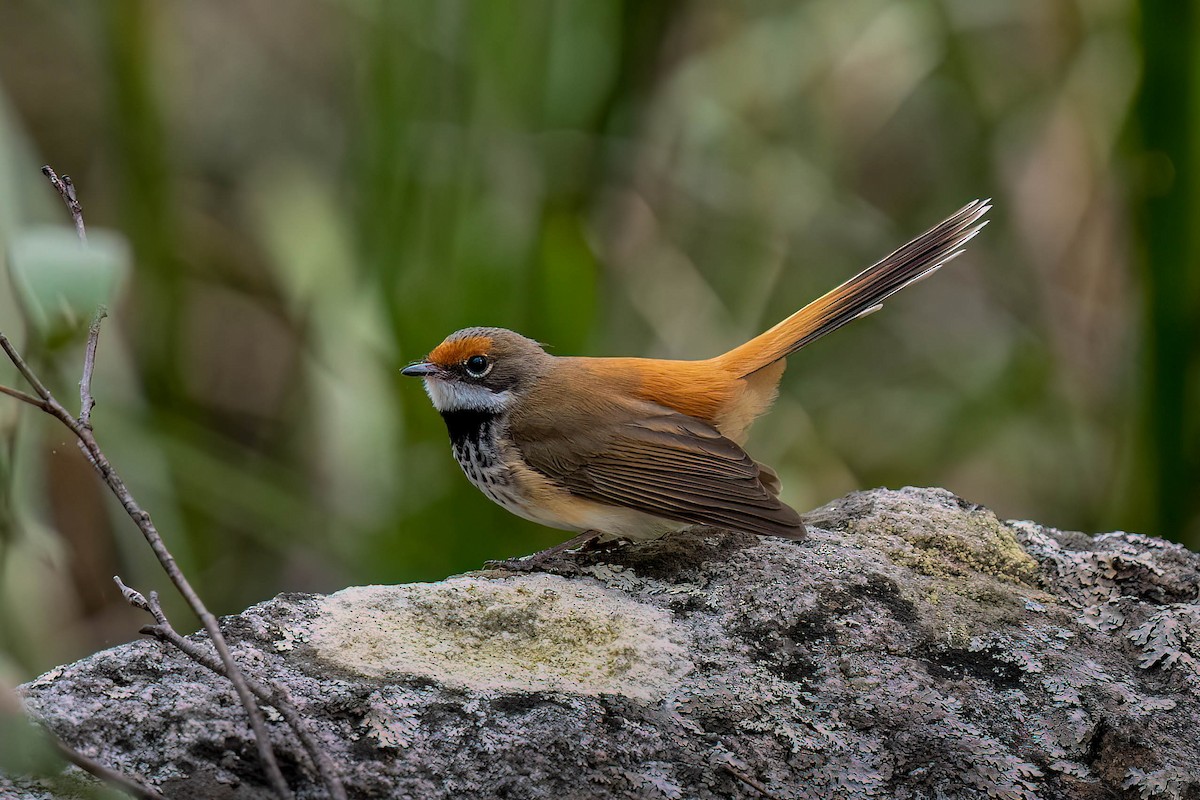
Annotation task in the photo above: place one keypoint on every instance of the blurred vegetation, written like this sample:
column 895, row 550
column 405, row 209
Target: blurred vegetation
column 315, row 192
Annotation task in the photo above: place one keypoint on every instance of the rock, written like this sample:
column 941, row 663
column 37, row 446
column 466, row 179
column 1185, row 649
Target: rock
column 914, row 647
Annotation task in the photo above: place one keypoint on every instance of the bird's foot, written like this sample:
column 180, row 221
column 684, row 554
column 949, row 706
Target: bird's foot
column 588, row 541
column 596, row 545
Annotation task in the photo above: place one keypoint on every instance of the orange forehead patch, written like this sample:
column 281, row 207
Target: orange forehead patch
column 460, row 350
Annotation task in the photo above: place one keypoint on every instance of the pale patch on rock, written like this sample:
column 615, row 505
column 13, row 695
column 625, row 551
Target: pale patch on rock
column 530, row 633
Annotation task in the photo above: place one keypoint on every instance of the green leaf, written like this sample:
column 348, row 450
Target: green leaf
column 60, row 283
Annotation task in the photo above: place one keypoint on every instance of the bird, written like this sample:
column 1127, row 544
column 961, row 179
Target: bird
column 636, row 448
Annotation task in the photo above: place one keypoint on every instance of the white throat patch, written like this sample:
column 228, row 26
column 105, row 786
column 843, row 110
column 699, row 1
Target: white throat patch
column 458, row 396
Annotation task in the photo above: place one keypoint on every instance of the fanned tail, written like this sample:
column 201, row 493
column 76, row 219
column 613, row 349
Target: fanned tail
column 862, row 294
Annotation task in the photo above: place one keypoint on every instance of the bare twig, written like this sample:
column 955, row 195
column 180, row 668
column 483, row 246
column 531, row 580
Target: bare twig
column 66, row 191
column 81, row 427
column 134, row 597
column 130, row 786
column 746, row 779
column 25, row 398
column 86, row 401
column 144, row 523
column 29, row 375
column 271, row 693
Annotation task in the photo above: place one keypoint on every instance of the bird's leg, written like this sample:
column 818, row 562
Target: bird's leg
column 539, row 559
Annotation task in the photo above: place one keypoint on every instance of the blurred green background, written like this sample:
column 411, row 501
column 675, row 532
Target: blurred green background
column 315, row 192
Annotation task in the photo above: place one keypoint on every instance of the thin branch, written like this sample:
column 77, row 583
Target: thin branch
column 130, row 786
column 86, row 401
column 137, row 599
column 66, row 190
column 144, row 523
column 273, row 694
column 81, row 427
column 37, row 402
column 28, row 375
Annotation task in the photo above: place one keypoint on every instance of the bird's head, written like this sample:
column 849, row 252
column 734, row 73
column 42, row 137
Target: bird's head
column 479, row 369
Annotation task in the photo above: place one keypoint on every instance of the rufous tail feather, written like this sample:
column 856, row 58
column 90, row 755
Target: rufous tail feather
column 862, row 294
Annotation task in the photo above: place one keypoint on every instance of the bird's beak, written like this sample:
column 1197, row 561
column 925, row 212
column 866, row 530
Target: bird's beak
column 421, row 369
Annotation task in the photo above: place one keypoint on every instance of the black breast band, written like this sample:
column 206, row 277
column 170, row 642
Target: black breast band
column 467, row 426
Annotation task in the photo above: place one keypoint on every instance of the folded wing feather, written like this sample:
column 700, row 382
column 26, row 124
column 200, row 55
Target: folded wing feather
column 664, row 463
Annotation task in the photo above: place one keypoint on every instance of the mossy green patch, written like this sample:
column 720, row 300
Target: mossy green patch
column 948, row 540
column 943, row 553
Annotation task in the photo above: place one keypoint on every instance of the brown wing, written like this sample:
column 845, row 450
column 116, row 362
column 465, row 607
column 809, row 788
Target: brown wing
column 666, row 464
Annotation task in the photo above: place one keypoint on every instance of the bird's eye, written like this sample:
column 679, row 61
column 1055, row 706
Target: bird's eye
column 478, row 366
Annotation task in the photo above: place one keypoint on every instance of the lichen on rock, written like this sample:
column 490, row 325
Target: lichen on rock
column 535, row 632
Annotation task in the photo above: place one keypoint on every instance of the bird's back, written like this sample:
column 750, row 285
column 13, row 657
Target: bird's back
column 705, row 390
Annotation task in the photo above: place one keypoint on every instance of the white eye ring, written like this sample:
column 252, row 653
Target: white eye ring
column 478, row 373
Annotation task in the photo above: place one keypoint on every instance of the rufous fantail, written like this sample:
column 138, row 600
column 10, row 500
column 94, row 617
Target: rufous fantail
column 634, row 448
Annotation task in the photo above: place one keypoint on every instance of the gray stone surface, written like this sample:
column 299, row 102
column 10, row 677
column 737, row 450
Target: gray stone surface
column 915, row 647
